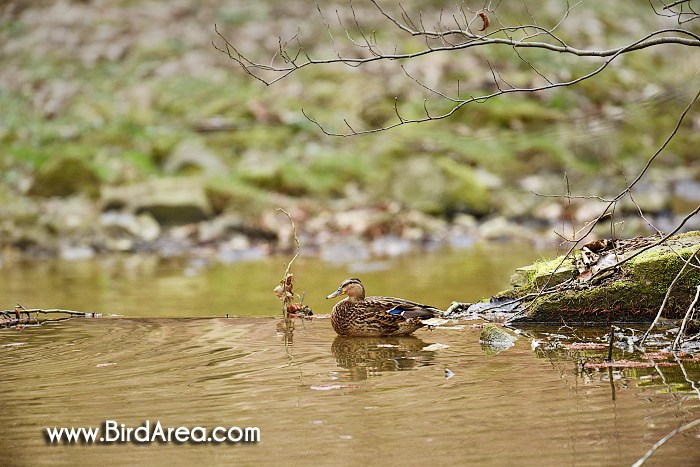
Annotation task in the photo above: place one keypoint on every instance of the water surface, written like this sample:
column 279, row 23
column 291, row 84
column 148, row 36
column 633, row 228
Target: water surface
column 318, row 399
column 325, row 399
column 147, row 286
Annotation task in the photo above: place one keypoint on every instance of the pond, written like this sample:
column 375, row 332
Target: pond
column 436, row 398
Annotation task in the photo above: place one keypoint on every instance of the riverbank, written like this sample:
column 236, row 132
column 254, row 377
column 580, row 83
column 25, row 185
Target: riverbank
column 124, row 130
column 176, row 218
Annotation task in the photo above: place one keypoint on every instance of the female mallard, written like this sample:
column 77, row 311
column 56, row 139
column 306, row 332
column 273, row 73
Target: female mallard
column 358, row 315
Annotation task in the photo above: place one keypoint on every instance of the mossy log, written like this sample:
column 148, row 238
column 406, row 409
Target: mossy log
column 630, row 289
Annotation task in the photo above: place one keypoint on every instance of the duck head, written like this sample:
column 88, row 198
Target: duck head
column 352, row 288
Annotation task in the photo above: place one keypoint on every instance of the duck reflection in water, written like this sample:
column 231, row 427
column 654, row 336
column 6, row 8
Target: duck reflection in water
column 370, row 356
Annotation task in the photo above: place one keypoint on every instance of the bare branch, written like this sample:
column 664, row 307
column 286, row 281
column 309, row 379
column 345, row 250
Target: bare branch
column 459, row 103
column 466, row 39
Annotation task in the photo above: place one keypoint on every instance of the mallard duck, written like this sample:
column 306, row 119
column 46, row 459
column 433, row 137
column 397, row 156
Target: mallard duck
column 357, row 315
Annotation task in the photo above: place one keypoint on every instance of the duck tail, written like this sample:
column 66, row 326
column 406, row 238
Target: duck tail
column 434, row 321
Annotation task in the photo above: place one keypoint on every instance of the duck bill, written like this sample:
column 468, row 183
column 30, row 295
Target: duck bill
column 335, row 294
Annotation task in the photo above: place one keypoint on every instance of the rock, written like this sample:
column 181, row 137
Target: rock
column 541, row 276
column 550, row 211
column 522, row 276
column 119, row 244
column 496, row 228
column 357, row 221
column 494, row 339
column 238, row 249
column 686, row 196
column 391, row 246
column 465, row 191
column 221, row 227
column 419, row 184
column 586, row 210
column 439, row 186
column 650, row 197
column 147, row 228
column 631, row 292
column 65, row 176
column 500, row 228
column 75, row 214
column 171, row 201
column 124, row 224
column 515, row 204
column 465, row 220
column 70, row 252
column 542, row 183
column 29, row 238
column 344, row 251
column 193, row 154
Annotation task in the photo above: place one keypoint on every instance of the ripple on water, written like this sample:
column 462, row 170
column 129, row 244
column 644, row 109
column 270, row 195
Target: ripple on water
column 366, row 400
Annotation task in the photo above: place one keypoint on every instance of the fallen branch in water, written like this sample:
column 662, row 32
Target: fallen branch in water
column 21, row 315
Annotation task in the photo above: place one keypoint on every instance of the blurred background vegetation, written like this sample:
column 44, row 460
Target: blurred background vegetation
column 107, row 105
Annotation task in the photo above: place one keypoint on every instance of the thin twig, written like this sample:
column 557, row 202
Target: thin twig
column 691, row 309
column 461, row 38
column 296, row 240
column 668, row 294
column 663, row 440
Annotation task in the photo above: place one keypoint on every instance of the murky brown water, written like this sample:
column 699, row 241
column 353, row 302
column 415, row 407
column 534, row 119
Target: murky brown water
column 150, row 287
column 323, row 400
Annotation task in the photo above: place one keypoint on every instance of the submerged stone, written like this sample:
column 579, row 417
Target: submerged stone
column 495, row 339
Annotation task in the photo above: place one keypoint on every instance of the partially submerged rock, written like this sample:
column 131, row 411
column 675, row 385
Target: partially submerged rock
column 495, row 339
column 625, row 281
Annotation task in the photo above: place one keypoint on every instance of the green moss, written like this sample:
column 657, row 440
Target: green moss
column 65, row 176
column 634, row 293
column 232, row 194
column 464, row 192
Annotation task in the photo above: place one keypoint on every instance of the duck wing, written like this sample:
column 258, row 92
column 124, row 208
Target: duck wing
column 402, row 307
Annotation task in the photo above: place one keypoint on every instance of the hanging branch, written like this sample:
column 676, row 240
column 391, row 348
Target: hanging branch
column 458, row 38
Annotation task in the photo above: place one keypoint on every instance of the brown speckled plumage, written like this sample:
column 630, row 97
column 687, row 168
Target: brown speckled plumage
column 361, row 316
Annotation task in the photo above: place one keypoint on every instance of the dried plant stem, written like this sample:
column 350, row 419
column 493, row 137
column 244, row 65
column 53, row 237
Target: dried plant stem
column 611, row 343
column 288, row 277
column 688, row 314
column 296, row 240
